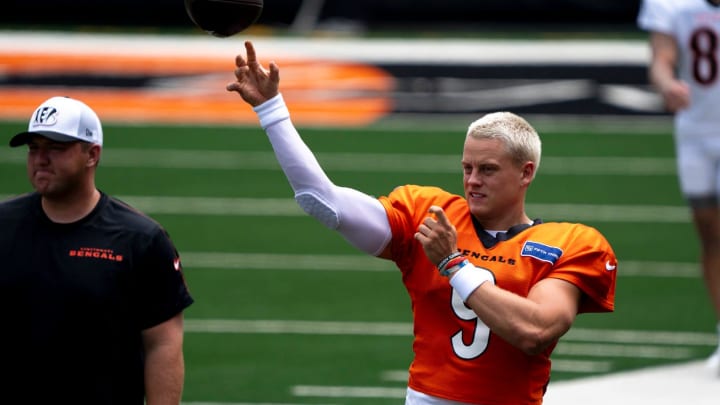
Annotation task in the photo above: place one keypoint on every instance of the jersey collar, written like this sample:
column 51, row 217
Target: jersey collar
column 489, row 241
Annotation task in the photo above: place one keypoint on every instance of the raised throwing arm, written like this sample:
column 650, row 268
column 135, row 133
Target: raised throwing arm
column 360, row 218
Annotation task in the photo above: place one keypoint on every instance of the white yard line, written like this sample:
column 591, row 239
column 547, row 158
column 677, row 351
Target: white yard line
column 327, row 391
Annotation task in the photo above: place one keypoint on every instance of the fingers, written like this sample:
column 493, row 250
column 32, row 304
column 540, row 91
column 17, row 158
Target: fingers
column 250, row 65
column 252, row 62
column 240, row 61
column 440, row 215
column 442, row 220
column 274, row 72
column 423, row 230
column 250, row 49
column 437, row 240
column 234, row 86
column 240, row 73
column 254, row 83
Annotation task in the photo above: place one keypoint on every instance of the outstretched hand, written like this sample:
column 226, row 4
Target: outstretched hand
column 255, row 84
column 438, row 237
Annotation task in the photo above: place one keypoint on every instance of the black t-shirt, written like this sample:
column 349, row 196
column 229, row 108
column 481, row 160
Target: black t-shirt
column 74, row 299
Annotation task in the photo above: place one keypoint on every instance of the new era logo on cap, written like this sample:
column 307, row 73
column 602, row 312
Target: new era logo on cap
column 62, row 119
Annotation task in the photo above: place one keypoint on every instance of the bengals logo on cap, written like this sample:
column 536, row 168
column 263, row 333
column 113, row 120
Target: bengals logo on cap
column 45, row 116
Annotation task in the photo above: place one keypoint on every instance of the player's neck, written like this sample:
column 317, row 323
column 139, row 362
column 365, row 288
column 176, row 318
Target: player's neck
column 505, row 223
column 71, row 208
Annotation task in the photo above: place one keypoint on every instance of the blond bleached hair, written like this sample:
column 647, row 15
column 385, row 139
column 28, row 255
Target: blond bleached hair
column 518, row 136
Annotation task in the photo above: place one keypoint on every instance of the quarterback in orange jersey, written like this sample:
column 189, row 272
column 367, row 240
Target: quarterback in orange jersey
column 454, row 345
column 492, row 290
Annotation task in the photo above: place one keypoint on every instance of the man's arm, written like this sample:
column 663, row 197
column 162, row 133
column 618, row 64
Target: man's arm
column 164, row 362
column 529, row 323
column 358, row 217
column 675, row 93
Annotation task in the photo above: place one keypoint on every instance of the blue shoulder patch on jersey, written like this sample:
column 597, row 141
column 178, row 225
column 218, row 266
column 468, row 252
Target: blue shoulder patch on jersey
column 542, row 252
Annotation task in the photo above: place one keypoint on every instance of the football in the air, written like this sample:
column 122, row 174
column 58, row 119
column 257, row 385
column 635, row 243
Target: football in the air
column 223, row 18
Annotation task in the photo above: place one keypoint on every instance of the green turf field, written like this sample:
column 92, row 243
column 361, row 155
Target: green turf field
column 286, row 312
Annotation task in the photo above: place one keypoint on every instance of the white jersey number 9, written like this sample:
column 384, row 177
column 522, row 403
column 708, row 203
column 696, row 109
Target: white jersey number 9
column 481, row 332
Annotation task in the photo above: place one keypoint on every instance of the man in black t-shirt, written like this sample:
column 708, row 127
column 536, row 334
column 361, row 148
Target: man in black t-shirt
column 92, row 291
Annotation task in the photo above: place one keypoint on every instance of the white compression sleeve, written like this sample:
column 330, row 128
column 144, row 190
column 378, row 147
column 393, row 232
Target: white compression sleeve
column 360, row 218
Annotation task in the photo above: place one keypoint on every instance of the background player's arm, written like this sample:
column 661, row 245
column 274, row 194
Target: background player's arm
column 662, row 72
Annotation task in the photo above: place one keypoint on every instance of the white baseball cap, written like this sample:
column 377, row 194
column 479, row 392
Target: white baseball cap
column 62, row 119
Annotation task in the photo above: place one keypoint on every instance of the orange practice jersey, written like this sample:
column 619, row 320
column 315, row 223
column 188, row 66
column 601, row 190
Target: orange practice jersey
column 457, row 357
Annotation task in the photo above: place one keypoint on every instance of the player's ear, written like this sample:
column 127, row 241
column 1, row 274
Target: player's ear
column 528, row 172
column 94, row 152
